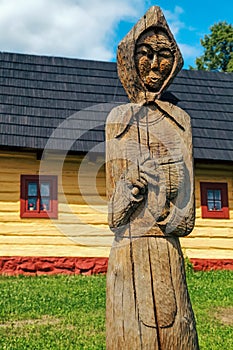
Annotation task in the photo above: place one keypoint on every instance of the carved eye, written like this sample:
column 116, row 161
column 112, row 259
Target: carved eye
column 150, row 55
column 165, row 53
column 145, row 51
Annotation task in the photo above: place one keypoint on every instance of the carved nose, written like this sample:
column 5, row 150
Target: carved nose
column 154, row 63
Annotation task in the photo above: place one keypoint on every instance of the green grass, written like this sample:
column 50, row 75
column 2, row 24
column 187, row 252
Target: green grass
column 73, row 308
column 68, row 312
column 212, row 297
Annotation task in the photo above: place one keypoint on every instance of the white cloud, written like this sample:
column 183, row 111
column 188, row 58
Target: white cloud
column 173, row 19
column 189, row 51
column 75, row 28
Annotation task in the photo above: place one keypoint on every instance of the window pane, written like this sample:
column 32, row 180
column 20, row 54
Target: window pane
column 210, row 194
column 214, row 200
column 45, row 204
column 38, row 196
column 32, row 203
column 45, row 189
column 218, row 205
column 210, row 205
column 32, row 189
column 217, row 194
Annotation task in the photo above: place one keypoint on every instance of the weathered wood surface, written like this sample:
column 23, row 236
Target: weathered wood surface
column 151, row 198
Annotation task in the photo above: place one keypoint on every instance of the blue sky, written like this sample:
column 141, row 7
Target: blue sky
column 91, row 29
column 190, row 21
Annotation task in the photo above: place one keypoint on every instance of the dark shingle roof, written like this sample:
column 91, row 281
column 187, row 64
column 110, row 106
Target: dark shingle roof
column 38, row 93
column 208, row 98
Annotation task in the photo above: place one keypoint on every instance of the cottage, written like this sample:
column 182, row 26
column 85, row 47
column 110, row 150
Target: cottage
column 53, row 215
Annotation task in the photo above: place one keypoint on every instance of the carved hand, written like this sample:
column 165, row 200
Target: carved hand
column 131, row 190
column 140, row 176
column 137, row 182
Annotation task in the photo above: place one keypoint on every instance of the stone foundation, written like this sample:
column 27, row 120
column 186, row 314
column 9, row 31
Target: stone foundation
column 212, row 264
column 13, row 266
column 52, row 265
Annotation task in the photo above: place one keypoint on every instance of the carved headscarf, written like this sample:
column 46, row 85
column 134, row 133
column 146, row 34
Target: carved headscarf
column 127, row 70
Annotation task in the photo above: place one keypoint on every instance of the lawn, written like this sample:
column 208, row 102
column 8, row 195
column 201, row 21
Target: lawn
column 68, row 312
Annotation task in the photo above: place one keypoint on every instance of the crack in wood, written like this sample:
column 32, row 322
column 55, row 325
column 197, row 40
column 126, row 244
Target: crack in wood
column 154, row 302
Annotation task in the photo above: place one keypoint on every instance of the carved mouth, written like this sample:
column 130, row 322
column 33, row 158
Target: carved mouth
column 153, row 82
column 154, row 78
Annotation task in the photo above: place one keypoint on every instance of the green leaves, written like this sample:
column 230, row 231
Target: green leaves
column 218, row 49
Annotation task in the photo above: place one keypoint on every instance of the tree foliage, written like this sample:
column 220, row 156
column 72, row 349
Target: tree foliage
column 218, row 49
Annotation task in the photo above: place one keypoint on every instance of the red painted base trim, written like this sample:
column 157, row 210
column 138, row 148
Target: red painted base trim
column 13, row 266
column 52, row 265
column 212, row 264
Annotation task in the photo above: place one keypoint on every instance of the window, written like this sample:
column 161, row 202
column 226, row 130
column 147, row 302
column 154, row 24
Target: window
column 214, row 200
column 38, row 198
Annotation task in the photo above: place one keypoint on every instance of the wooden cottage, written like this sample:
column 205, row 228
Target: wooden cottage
column 53, row 212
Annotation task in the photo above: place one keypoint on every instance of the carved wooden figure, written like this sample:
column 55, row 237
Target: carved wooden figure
column 151, row 203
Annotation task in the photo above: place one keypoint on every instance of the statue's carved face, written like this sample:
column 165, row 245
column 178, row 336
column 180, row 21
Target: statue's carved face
column 154, row 59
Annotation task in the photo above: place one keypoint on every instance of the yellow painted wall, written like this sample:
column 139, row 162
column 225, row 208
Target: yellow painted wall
column 211, row 238
column 81, row 229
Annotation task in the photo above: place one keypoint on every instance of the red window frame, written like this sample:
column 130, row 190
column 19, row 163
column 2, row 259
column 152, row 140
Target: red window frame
column 38, row 213
column 216, row 214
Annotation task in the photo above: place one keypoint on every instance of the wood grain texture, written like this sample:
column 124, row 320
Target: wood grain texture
column 149, row 171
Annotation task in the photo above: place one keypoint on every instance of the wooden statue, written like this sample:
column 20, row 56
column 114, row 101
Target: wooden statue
column 151, row 203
